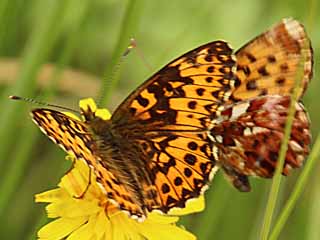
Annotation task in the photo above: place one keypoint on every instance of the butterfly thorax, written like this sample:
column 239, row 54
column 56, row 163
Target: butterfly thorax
column 119, row 156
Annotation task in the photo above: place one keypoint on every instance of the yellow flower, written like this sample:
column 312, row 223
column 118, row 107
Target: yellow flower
column 93, row 217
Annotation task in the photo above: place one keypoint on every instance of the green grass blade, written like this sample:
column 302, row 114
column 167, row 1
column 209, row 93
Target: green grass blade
column 10, row 15
column 41, row 221
column 309, row 166
column 212, row 213
column 3, row 8
column 273, row 195
column 128, row 30
column 38, row 48
column 15, row 171
column 4, row 4
column 275, row 186
column 298, row 189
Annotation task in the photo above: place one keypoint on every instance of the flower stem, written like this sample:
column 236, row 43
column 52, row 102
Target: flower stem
column 129, row 28
column 276, row 182
column 300, row 186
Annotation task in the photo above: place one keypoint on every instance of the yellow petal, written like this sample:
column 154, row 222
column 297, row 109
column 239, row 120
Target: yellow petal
column 72, row 208
column 161, row 218
column 51, row 195
column 85, row 231
column 103, row 113
column 74, row 182
column 87, row 103
column 124, row 228
column 69, row 114
column 192, row 206
column 165, row 231
column 153, row 229
column 102, row 228
column 60, row 228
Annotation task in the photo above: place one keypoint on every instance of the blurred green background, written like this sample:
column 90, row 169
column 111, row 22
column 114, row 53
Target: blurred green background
column 60, row 51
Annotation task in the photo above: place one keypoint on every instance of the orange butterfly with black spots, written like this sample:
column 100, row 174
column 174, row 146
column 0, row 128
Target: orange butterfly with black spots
column 208, row 109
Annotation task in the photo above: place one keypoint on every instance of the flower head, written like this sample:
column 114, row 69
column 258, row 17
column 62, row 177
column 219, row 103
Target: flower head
column 93, row 217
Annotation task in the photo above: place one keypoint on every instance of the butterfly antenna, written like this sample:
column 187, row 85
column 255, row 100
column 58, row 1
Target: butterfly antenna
column 115, row 71
column 140, row 54
column 30, row 100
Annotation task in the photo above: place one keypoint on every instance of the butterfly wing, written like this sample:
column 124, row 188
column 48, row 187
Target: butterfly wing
column 70, row 134
column 76, row 138
column 250, row 139
column 268, row 64
column 249, row 135
column 168, row 117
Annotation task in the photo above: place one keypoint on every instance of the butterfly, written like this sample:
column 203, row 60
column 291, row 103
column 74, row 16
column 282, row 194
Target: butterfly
column 208, row 109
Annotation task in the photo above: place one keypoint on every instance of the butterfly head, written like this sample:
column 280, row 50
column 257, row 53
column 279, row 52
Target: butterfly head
column 99, row 125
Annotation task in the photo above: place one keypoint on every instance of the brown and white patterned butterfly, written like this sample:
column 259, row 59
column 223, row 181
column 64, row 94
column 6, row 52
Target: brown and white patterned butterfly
column 205, row 110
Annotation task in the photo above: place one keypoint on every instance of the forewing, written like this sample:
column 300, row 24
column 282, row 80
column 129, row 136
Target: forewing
column 70, row 134
column 76, row 138
column 197, row 82
column 268, row 64
column 169, row 116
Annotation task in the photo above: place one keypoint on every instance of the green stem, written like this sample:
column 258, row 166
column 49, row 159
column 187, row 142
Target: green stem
column 272, row 199
column 273, row 195
column 40, row 222
column 213, row 213
column 4, row 22
column 11, row 178
column 314, row 155
column 128, row 30
column 3, row 8
column 300, row 186
column 38, row 48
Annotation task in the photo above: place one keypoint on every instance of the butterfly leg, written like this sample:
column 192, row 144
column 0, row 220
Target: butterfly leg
column 87, row 186
column 239, row 181
column 73, row 161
